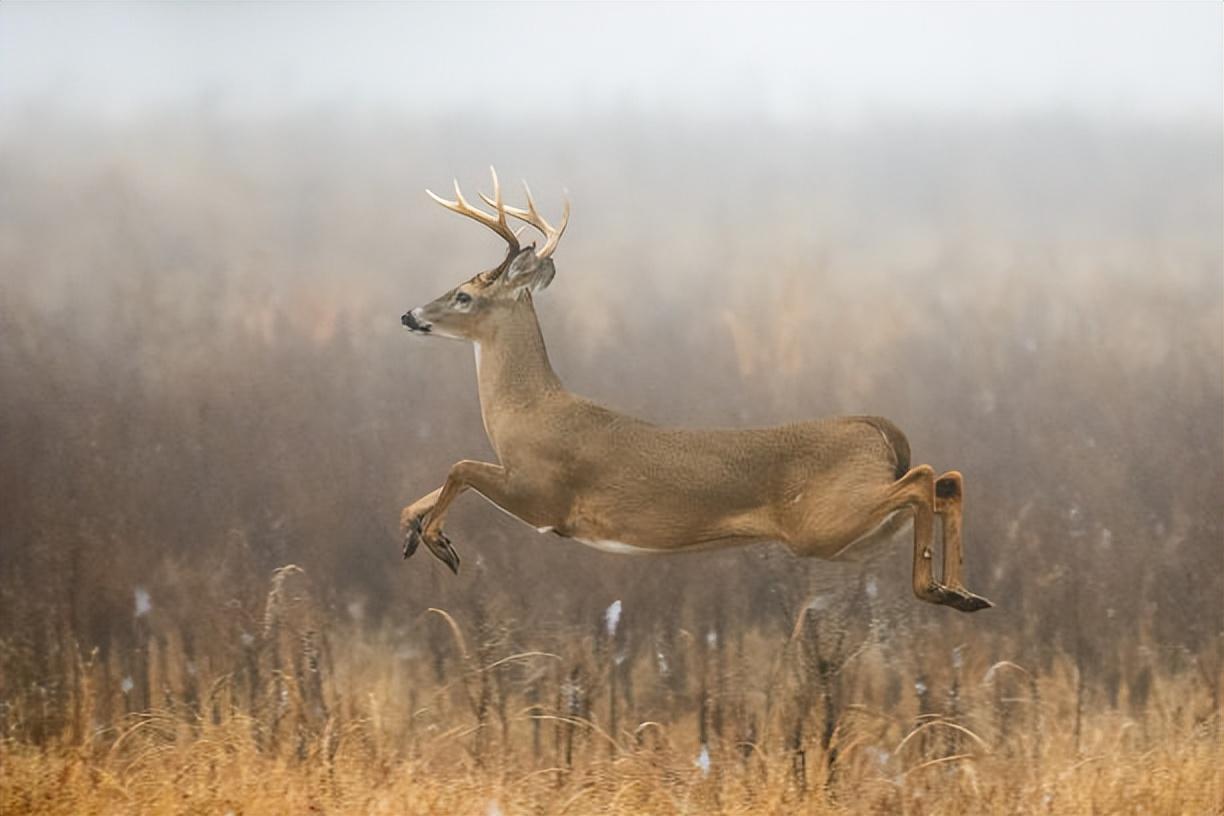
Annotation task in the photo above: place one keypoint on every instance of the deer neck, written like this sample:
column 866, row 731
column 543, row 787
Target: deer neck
column 512, row 367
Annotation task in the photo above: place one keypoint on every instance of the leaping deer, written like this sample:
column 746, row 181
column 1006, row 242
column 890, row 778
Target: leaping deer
column 621, row 484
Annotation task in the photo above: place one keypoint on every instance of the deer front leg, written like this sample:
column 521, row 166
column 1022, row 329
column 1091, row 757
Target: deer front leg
column 488, row 480
column 411, row 518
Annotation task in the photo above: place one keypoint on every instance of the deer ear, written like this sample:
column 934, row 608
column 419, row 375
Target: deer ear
column 526, row 270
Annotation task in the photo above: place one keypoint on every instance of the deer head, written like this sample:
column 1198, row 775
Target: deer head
column 466, row 311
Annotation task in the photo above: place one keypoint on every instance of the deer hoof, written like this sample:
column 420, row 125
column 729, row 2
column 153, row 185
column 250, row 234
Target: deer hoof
column 411, row 528
column 441, row 548
column 966, row 601
column 412, row 537
column 955, row 597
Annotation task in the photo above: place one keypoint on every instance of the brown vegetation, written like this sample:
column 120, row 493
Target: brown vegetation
column 210, row 418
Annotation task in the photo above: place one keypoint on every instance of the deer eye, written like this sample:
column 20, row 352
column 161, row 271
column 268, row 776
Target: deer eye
column 463, row 298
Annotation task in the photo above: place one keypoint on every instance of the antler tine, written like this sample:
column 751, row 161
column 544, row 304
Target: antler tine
column 497, row 223
column 552, row 235
column 555, row 238
column 497, row 199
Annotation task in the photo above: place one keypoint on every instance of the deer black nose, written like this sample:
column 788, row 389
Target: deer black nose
column 409, row 320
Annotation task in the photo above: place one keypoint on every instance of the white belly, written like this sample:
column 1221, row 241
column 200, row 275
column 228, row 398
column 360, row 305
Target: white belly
column 615, row 547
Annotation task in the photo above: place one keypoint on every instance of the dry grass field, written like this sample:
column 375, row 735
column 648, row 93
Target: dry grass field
column 211, row 418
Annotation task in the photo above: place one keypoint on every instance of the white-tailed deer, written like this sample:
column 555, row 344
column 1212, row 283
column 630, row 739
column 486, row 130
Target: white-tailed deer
column 582, row 471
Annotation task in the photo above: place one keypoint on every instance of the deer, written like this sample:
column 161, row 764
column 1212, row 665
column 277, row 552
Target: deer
column 569, row 466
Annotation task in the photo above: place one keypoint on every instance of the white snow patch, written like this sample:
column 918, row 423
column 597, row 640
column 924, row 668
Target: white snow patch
column 612, row 617
column 144, row 604
column 703, row 760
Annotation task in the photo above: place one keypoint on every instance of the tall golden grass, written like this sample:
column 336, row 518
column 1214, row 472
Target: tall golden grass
column 211, row 418
column 838, row 717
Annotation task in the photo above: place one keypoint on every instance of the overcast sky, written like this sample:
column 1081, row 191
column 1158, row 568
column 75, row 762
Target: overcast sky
column 789, row 61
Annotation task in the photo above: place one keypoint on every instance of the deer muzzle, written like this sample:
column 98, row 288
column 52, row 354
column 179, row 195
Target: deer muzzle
column 413, row 323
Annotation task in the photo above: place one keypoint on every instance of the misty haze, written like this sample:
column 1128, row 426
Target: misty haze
column 1001, row 227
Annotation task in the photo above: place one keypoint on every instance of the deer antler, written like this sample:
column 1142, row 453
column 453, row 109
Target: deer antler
column 497, row 223
column 552, row 235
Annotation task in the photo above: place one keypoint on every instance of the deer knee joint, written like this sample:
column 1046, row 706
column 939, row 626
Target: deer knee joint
column 948, row 489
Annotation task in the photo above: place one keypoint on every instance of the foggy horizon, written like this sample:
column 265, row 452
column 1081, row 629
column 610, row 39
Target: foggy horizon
column 839, row 63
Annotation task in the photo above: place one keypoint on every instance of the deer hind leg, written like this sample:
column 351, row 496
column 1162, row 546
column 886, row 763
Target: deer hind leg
column 917, row 490
column 949, row 505
column 949, row 499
